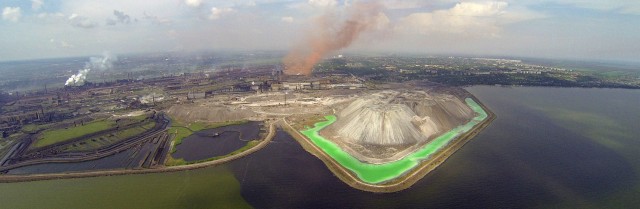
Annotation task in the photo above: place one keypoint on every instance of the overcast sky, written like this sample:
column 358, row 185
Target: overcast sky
column 574, row 29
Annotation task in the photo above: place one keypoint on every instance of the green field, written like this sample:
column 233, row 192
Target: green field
column 110, row 138
column 49, row 137
column 378, row 173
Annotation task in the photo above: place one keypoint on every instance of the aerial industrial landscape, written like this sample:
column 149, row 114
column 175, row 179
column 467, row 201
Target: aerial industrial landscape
column 319, row 104
column 150, row 124
column 97, row 122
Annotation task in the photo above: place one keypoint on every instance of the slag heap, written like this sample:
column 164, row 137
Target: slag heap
column 392, row 118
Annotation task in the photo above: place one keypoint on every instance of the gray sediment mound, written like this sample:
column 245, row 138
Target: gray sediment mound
column 388, row 125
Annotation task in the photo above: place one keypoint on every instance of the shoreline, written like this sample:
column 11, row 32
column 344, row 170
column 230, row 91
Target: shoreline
column 406, row 180
column 40, row 177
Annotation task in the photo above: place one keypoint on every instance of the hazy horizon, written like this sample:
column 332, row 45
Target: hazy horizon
column 563, row 29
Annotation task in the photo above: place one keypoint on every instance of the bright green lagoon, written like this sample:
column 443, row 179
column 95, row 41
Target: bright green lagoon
column 378, row 173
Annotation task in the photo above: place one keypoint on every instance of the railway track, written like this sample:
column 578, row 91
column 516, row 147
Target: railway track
column 18, row 160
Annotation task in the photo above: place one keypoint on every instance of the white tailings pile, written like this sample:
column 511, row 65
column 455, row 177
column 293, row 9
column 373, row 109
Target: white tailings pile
column 392, row 118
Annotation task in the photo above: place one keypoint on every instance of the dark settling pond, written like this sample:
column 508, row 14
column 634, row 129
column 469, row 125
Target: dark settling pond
column 217, row 142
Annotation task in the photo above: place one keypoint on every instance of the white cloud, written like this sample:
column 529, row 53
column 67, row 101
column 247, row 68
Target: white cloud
column 475, row 18
column 120, row 17
column 404, row 4
column 287, row 19
column 36, row 4
column 12, row 14
column 323, row 3
column 156, row 20
column 193, row 3
column 620, row 6
column 484, row 9
column 60, row 43
column 251, row 4
column 50, row 15
column 81, row 21
column 216, row 13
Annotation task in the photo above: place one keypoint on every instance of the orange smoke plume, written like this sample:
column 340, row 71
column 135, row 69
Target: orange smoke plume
column 329, row 35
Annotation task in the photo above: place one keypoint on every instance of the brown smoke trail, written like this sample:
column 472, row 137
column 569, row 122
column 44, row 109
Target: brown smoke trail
column 329, row 35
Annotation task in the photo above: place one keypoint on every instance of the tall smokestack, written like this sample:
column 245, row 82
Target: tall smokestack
column 331, row 33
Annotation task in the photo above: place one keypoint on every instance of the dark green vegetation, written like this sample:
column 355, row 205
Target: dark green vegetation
column 53, row 136
column 111, row 138
column 115, row 130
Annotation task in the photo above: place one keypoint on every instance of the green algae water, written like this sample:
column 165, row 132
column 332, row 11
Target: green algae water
column 185, row 189
column 378, row 173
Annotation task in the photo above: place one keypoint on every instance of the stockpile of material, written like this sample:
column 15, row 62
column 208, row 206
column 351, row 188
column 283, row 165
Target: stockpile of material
column 392, row 118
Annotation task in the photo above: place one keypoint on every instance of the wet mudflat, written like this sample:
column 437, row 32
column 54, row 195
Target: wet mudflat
column 217, row 142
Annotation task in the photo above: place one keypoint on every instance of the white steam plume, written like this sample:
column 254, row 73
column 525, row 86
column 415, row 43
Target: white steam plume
column 78, row 79
column 99, row 63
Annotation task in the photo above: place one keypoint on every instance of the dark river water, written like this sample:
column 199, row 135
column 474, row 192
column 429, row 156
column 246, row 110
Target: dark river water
column 547, row 148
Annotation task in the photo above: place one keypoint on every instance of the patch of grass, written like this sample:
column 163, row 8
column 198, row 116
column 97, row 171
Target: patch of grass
column 179, row 134
column 198, row 126
column 149, row 125
column 110, row 138
column 59, row 135
column 175, row 162
column 130, row 132
column 32, row 128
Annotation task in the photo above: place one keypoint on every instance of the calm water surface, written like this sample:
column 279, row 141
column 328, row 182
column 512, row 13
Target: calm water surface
column 202, row 144
column 548, row 148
